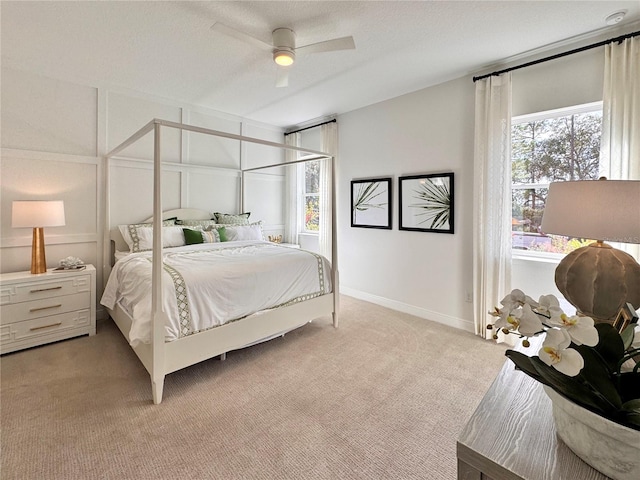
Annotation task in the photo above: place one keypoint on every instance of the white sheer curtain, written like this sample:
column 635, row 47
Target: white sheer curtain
column 291, row 227
column 329, row 145
column 492, row 198
column 620, row 144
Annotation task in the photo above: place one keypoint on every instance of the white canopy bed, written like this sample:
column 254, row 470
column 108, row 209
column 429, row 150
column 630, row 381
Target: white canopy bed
column 163, row 348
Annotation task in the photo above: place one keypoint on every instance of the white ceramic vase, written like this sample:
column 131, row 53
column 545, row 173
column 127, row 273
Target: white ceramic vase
column 609, row 447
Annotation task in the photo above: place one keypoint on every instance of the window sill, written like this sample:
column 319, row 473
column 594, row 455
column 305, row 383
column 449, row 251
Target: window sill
column 536, row 256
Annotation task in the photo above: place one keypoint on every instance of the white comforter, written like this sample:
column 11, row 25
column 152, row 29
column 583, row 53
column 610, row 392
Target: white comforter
column 224, row 282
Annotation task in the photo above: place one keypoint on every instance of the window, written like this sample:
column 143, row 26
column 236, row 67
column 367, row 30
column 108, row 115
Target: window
column 311, row 197
column 547, row 147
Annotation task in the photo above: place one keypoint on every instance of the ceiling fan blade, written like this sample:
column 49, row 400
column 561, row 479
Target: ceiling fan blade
column 344, row 43
column 232, row 32
column 282, row 77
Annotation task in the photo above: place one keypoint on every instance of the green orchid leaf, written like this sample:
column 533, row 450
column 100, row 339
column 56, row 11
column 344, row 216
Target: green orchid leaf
column 631, row 409
column 629, row 386
column 610, row 346
column 597, row 374
column 574, row 389
column 523, row 363
column 569, row 387
column 627, row 335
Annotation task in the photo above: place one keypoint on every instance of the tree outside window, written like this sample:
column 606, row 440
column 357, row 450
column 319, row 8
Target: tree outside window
column 556, row 146
column 311, row 196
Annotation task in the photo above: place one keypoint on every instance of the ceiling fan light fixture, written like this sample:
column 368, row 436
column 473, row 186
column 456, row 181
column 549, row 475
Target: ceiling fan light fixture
column 284, row 58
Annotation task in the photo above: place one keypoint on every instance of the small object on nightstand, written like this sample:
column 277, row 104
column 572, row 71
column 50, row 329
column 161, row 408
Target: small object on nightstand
column 75, row 268
column 70, row 264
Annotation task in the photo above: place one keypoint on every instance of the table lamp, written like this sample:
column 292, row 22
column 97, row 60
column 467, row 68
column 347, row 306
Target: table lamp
column 37, row 214
column 597, row 279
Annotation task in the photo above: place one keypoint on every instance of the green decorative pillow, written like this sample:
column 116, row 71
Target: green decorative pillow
column 219, row 233
column 222, row 231
column 192, row 236
column 238, row 219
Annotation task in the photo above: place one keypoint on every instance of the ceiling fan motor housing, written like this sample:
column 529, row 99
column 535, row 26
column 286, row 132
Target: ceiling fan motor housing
column 284, row 42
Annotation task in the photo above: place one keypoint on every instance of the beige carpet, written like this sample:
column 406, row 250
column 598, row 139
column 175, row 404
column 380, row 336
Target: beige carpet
column 382, row 397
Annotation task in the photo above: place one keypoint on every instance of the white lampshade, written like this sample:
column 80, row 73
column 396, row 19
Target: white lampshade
column 607, row 210
column 37, row 213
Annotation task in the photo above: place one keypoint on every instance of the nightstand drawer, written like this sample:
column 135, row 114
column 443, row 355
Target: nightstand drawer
column 18, row 312
column 42, row 327
column 17, row 293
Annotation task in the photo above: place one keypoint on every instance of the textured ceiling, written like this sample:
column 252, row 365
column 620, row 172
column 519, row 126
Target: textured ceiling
column 167, row 49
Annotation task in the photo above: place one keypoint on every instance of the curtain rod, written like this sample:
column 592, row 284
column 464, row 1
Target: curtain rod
column 312, row 126
column 619, row 39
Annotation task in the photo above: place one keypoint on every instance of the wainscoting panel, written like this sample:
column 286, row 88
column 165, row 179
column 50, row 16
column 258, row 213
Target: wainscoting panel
column 127, row 114
column 212, row 189
column 209, row 150
column 131, row 190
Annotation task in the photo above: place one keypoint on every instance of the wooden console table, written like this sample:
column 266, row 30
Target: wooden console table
column 512, row 436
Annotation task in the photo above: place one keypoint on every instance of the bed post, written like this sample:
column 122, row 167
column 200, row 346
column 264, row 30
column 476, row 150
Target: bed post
column 157, row 341
column 106, row 237
column 334, row 244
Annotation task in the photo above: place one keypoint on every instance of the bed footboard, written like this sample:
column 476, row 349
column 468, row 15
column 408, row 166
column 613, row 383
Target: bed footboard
column 201, row 346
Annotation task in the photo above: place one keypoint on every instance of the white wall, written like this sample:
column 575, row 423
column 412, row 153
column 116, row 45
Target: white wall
column 431, row 131
column 55, row 133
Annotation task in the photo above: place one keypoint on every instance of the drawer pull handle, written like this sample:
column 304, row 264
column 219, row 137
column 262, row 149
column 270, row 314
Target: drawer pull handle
column 46, row 289
column 46, row 326
column 44, row 308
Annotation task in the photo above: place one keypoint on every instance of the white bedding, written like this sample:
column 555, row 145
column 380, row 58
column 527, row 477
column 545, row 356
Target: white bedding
column 224, row 282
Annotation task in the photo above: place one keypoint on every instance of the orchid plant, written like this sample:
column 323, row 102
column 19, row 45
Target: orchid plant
column 591, row 364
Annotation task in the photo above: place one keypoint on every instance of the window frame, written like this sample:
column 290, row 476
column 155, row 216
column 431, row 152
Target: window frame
column 530, row 117
column 302, row 194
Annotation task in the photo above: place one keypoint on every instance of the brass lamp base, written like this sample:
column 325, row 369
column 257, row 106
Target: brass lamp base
column 38, row 260
column 599, row 280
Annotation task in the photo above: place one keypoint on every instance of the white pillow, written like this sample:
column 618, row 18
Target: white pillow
column 125, row 230
column 142, row 237
column 244, row 232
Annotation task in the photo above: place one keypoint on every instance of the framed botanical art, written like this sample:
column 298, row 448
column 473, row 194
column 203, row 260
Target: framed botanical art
column 371, row 203
column 426, row 203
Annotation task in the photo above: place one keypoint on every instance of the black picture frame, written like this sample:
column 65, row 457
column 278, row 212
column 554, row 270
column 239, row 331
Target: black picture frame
column 426, row 203
column 371, row 203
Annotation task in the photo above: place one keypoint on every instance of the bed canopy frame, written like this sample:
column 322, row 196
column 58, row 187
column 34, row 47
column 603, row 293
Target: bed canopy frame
column 161, row 358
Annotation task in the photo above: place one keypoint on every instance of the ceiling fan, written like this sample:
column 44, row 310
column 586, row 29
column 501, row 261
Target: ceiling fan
column 283, row 47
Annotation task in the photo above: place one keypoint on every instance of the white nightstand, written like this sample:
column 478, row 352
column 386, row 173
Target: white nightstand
column 47, row 307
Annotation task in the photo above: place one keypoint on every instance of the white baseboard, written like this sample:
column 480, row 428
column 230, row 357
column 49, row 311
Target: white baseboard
column 460, row 323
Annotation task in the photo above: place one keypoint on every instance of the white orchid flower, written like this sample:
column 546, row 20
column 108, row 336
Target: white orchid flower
column 554, row 352
column 530, row 323
column 506, row 317
column 518, row 298
column 549, row 305
column 580, row 329
column 501, row 315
